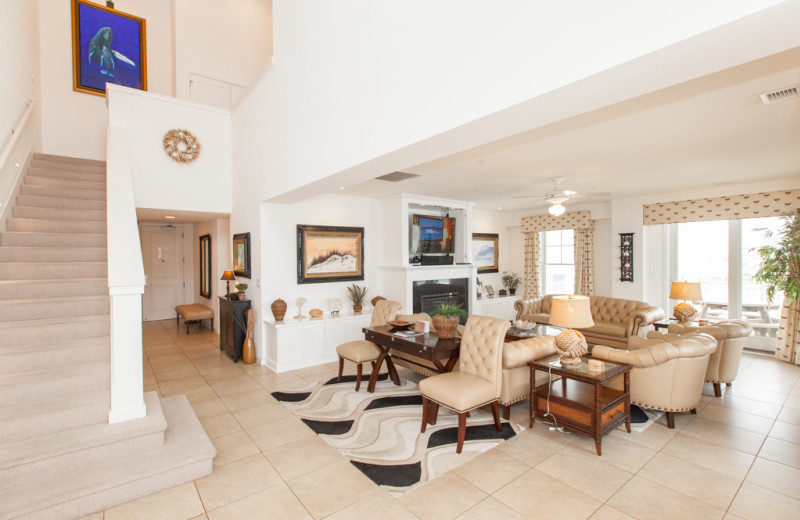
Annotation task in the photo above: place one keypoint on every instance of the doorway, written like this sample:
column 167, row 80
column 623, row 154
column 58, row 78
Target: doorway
column 163, row 258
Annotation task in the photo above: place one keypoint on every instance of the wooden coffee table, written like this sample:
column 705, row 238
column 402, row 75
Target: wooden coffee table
column 579, row 401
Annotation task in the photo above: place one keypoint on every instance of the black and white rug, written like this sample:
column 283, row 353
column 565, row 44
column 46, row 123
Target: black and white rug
column 379, row 432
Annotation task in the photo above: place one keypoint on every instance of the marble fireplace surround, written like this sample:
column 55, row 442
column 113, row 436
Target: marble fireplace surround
column 399, row 283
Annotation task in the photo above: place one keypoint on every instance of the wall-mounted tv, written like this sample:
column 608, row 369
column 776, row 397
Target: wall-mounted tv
column 432, row 235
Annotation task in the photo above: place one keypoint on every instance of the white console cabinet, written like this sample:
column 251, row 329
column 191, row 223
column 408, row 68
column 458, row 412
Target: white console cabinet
column 291, row 344
column 502, row 307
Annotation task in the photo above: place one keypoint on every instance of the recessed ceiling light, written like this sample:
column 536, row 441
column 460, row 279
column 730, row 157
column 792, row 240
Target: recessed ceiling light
column 169, row 216
column 499, row 207
column 341, row 188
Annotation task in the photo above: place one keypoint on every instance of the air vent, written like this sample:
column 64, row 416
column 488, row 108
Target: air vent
column 397, row 176
column 779, row 95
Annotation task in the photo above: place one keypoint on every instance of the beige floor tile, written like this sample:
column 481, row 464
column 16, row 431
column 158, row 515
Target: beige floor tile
column 757, row 394
column 781, row 451
column 641, row 498
column 274, row 382
column 654, row 437
column 228, row 387
column 302, row 456
column 242, row 400
column 209, row 408
column 233, row 446
column 236, row 480
column 744, row 421
column 751, row 406
column 786, row 432
column 618, row 451
column 199, row 394
column 724, row 435
column 609, row 513
column 757, row 503
column 530, row 448
column 793, row 401
column 200, row 517
column 706, row 485
column 443, row 498
column 492, row 508
column 790, row 415
column 331, row 488
column 177, row 503
column 376, row 505
column 275, row 502
column 94, row 516
column 532, row 495
column 772, row 475
column 219, row 425
column 730, row 516
column 710, row 455
column 491, row 470
column 174, row 375
column 220, row 371
column 262, row 414
column 585, row 472
column 279, row 433
column 182, row 385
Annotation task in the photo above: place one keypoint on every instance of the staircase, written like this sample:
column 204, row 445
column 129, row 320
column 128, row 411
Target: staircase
column 59, row 457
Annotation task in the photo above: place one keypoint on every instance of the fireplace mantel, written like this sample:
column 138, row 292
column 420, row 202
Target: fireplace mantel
column 398, row 280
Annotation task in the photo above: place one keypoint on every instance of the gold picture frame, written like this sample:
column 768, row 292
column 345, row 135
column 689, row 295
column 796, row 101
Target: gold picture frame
column 329, row 254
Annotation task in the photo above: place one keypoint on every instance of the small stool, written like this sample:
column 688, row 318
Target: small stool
column 359, row 351
column 192, row 313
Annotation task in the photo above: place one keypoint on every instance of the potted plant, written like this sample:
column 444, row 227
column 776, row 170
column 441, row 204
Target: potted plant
column 241, row 287
column 780, row 264
column 511, row 281
column 357, row 294
column 446, row 317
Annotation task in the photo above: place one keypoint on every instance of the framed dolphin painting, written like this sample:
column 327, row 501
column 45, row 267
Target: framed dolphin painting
column 108, row 46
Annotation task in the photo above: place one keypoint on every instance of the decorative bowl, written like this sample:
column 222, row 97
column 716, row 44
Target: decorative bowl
column 400, row 325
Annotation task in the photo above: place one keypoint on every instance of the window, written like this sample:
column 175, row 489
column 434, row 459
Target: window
column 559, row 262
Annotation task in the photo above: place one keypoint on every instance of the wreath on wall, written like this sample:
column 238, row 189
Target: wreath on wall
column 181, row 145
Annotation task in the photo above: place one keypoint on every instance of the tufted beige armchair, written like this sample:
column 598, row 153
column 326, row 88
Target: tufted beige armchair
column 668, row 371
column 615, row 319
column 723, row 365
column 478, row 380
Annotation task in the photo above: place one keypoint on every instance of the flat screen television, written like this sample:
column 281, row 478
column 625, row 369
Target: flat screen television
column 432, row 235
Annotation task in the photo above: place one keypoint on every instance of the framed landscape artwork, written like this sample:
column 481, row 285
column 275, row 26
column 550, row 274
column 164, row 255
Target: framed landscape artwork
column 241, row 254
column 108, row 46
column 484, row 252
column 329, row 254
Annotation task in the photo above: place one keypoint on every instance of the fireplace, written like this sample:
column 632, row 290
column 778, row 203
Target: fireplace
column 429, row 294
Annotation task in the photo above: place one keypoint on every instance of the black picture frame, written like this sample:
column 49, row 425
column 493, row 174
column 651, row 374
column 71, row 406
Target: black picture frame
column 485, row 252
column 108, row 46
column 205, row 266
column 329, row 254
column 626, row 257
column 241, row 254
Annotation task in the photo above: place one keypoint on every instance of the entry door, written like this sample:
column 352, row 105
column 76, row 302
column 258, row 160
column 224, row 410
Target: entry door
column 162, row 255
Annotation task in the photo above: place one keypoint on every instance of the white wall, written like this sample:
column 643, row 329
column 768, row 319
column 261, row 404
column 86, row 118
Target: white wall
column 510, row 245
column 229, row 41
column 220, row 253
column 159, row 182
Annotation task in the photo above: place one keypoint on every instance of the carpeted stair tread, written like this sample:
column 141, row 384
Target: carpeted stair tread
column 33, row 201
column 34, row 332
column 27, row 270
column 54, row 226
column 67, row 174
column 58, row 214
column 52, row 288
column 64, row 159
column 68, row 450
column 23, row 358
column 32, row 239
column 60, row 307
column 72, row 193
column 50, row 182
column 187, row 454
column 52, row 254
column 52, row 383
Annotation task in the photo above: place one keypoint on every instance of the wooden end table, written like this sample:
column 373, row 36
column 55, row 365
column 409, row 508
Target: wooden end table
column 579, row 401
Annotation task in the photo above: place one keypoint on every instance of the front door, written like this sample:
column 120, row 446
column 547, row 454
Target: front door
column 162, row 254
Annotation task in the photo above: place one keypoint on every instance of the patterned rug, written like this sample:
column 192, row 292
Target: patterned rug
column 379, row 432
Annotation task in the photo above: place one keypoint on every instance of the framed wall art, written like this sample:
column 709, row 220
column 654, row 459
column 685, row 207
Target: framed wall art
column 205, row 266
column 626, row 257
column 329, row 254
column 108, row 46
column 241, row 254
column 484, row 252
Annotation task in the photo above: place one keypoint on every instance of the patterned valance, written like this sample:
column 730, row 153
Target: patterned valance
column 573, row 220
column 734, row 207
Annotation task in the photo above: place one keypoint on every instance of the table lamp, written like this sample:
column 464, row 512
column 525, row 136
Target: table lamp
column 571, row 311
column 683, row 311
column 228, row 276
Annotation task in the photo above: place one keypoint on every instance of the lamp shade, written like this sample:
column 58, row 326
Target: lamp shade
column 556, row 210
column 228, row 275
column 571, row 312
column 686, row 291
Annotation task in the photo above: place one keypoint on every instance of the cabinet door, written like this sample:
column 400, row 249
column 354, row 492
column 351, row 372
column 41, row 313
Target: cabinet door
column 313, row 340
column 354, row 327
column 335, row 335
column 290, row 344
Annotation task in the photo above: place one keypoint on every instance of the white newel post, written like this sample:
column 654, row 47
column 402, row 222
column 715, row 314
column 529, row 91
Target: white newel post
column 125, row 285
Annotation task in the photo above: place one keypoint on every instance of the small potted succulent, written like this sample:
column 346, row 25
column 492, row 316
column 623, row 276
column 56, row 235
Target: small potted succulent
column 511, row 281
column 357, row 294
column 241, row 287
column 446, row 317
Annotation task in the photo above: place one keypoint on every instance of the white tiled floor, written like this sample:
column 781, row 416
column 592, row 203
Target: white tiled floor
column 738, row 458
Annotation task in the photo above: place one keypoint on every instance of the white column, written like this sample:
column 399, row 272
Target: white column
column 127, row 384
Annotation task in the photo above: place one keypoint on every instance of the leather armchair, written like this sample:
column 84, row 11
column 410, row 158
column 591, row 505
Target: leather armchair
column 516, row 373
column 668, row 372
column 615, row 319
column 723, row 365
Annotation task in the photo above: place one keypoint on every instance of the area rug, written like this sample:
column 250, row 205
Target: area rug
column 379, row 432
column 642, row 418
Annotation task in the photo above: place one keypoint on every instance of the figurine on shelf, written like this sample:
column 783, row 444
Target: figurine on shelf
column 300, row 302
column 334, row 306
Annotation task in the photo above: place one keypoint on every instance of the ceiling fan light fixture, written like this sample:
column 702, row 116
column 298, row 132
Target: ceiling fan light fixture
column 556, row 210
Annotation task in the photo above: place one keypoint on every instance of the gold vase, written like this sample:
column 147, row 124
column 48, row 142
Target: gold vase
column 249, row 351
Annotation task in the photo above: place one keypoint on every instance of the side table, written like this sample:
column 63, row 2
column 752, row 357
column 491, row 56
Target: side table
column 664, row 324
column 579, row 401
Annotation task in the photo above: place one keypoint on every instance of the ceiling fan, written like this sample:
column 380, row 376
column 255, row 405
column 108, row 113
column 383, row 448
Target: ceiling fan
column 557, row 197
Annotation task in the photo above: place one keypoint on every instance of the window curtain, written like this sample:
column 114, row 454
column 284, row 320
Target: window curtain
column 788, row 347
column 533, row 262
column 577, row 221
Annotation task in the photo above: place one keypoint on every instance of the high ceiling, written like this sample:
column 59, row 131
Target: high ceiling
column 709, row 131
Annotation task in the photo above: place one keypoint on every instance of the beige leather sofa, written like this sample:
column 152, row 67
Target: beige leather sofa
column 668, row 370
column 723, row 365
column 615, row 319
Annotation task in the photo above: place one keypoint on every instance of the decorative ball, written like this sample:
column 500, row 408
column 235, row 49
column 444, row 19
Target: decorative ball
column 571, row 345
column 684, row 312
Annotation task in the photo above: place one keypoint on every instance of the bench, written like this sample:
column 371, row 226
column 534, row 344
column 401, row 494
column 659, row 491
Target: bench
column 193, row 313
